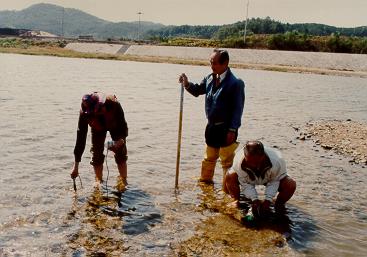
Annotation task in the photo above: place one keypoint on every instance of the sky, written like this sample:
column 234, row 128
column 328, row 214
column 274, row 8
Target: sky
column 338, row 13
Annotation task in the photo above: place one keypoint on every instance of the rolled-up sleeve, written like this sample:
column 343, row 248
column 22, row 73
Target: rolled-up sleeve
column 271, row 190
column 247, row 188
column 250, row 191
column 278, row 173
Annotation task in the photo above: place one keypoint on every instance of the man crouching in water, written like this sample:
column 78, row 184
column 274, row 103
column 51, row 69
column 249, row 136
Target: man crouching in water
column 259, row 165
column 102, row 113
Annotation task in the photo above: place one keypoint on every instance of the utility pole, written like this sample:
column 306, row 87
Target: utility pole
column 244, row 36
column 139, row 14
column 62, row 22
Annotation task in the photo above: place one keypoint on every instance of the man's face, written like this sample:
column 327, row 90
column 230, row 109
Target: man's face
column 217, row 68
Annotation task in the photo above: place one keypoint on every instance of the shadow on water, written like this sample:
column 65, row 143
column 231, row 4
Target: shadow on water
column 105, row 219
column 293, row 228
column 142, row 212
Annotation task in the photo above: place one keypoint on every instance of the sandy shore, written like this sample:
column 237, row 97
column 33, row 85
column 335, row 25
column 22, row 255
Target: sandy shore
column 311, row 62
column 348, row 138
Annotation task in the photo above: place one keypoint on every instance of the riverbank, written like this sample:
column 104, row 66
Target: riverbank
column 344, row 137
column 284, row 61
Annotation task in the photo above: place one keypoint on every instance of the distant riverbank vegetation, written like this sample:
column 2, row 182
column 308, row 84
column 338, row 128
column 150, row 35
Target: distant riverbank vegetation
column 13, row 42
column 265, row 26
column 290, row 41
column 266, row 34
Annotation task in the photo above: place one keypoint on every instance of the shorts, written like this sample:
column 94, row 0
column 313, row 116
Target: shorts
column 216, row 135
column 98, row 145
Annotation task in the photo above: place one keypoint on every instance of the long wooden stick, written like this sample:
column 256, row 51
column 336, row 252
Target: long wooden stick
column 179, row 136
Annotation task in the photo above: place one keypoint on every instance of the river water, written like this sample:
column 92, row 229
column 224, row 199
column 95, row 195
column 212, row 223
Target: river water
column 41, row 215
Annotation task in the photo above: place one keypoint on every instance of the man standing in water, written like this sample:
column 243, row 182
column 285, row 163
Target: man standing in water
column 224, row 101
column 259, row 165
column 102, row 113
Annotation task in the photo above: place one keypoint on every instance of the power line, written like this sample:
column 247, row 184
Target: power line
column 139, row 13
column 244, row 36
column 62, row 22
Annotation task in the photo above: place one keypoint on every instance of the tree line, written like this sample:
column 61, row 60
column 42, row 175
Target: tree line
column 266, row 34
column 290, row 41
column 254, row 26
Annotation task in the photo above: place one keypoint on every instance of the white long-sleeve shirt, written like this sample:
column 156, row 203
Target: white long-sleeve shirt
column 271, row 177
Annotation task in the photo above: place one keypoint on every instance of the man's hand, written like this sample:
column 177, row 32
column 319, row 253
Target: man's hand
column 75, row 171
column 255, row 205
column 184, row 80
column 117, row 145
column 261, row 209
column 231, row 137
column 265, row 208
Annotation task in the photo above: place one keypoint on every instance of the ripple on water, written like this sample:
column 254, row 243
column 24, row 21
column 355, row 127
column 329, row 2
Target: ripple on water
column 131, row 212
column 37, row 135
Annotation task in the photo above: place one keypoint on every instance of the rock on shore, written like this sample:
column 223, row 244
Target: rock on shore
column 348, row 138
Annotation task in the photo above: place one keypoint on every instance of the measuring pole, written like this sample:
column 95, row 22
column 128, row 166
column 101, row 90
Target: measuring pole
column 179, row 136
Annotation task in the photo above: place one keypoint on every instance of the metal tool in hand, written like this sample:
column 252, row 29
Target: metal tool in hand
column 74, row 183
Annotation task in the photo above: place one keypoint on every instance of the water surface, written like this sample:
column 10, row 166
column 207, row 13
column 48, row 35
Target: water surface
column 40, row 215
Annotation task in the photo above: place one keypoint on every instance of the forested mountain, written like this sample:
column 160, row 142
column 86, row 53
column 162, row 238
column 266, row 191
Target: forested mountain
column 70, row 22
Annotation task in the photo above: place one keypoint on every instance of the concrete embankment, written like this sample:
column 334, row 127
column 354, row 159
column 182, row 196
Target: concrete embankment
column 348, row 64
column 95, row 48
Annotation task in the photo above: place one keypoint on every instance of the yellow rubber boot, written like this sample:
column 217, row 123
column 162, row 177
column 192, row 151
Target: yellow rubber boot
column 208, row 164
column 207, row 172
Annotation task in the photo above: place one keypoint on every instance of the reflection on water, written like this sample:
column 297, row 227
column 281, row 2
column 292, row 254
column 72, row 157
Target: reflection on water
column 223, row 234
column 40, row 214
column 143, row 213
column 104, row 218
column 293, row 227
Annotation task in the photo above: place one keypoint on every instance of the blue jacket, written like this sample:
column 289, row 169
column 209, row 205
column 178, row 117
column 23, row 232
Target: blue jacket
column 223, row 104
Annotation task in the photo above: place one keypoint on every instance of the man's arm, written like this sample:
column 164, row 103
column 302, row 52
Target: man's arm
column 122, row 124
column 81, row 137
column 121, row 131
column 238, row 104
column 278, row 172
column 194, row 89
column 271, row 190
column 197, row 89
column 250, row 192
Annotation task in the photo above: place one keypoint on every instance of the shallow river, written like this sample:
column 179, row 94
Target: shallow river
column 40, row 215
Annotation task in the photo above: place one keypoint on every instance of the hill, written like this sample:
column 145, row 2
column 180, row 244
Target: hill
column 70, row 22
